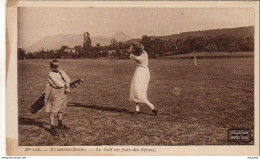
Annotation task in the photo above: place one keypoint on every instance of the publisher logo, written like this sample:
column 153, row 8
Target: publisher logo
column 236, row 135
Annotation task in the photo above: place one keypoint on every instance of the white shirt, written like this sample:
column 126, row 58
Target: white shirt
column 142, row 60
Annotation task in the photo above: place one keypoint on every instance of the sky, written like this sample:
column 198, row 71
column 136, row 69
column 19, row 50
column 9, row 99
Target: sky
column 37, row 23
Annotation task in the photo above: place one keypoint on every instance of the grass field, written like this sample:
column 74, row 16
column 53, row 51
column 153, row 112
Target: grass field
column 214, row 96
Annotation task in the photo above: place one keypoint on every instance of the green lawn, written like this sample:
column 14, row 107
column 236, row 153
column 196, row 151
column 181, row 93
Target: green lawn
column 215, row 95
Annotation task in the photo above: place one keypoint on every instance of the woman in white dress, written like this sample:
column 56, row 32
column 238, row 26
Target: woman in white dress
column 140, row 81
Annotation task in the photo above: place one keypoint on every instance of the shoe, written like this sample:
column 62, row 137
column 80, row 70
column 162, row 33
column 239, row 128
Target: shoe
column 54, row 132
column 61, row 126
column 136, row 113
column 154, row 112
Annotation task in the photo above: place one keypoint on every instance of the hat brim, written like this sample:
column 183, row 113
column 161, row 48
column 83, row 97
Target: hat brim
column 55, row 63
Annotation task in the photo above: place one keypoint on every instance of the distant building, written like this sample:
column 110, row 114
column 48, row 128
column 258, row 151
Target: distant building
column 35, row 53
column 70, row 50
column 111, row 53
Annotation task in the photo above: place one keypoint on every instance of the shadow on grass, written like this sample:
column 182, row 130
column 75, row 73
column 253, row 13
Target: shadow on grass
column 30, row 121
column 110, row 109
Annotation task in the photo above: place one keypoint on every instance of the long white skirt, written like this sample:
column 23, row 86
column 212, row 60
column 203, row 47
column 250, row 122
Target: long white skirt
column 139, row 85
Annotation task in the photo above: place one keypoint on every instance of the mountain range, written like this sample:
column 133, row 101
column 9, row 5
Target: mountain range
column 239, row 31
column 247, row 31
column 70, row 40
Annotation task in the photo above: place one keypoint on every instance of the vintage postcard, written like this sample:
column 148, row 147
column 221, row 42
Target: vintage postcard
column 132, row 78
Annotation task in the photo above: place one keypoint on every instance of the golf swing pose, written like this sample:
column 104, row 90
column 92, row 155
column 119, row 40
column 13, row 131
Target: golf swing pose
column 140, row 81
column 57, row 87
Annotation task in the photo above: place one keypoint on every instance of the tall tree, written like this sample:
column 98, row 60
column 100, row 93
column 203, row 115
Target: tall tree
column 86, row 44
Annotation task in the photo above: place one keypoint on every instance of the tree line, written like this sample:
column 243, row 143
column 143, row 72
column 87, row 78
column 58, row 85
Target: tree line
column 221, row 43
column 154, row 46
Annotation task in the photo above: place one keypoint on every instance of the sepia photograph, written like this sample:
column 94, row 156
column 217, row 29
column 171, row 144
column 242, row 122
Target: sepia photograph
column 136, row 76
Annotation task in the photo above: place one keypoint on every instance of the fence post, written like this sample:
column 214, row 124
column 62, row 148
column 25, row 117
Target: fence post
column 195, row 60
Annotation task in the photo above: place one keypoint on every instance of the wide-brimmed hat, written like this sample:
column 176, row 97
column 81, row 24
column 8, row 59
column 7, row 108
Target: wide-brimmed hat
column 55, row 63
column 138, row 46
column 137, row 49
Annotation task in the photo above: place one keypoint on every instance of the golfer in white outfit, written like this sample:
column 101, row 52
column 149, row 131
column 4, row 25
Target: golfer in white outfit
column 140, row 81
